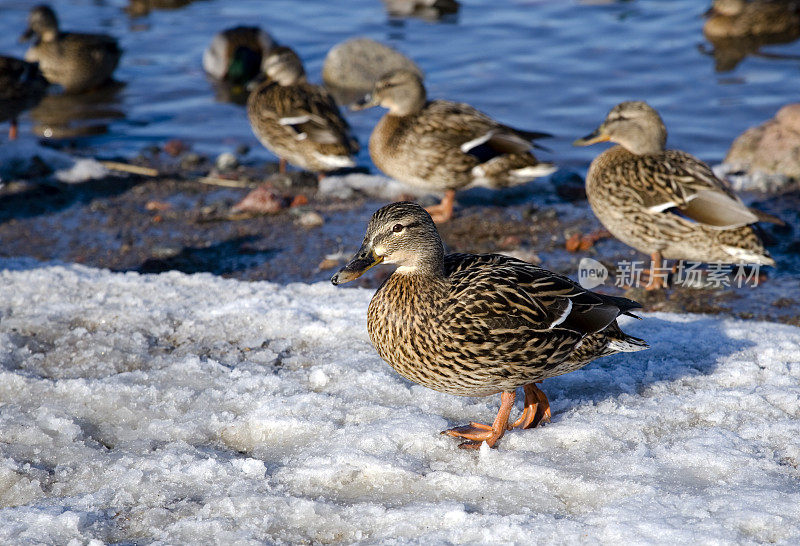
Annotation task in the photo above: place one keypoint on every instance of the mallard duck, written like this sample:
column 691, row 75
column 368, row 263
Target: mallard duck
column 738, row 18
column 236, row 54
column 298, row 121
column 431, row 10
column 666, row 203
column 444, row 146
column 77, row 62
column 22, row 86
column 137, row 8
column 476, row 325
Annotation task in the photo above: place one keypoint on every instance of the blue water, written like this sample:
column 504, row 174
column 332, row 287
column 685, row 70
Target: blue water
column 552, row 65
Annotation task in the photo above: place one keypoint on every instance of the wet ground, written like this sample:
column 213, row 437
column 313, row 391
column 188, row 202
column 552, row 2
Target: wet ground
column 551, row 65
column 177, row 222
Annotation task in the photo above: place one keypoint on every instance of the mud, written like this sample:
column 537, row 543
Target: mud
column 176, row 222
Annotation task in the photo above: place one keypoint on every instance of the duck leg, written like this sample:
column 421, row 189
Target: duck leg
column 442, row 212
column 657, row 280
column 12, row 129
column 537, row 408
column 281, row 165
column 475, row 433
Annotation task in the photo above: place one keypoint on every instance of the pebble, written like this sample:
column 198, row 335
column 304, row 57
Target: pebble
column 310, row 219
column 262, row 200
column 226, row 162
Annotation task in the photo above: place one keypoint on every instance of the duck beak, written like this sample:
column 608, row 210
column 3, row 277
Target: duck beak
column 598, row 135
column 364, row 259
column 27, row 35
column 367, row 101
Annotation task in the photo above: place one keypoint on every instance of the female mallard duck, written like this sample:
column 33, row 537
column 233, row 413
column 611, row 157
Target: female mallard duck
column 236, row 54
column 431, row 10
column 666, row 203
column 475, row 325
column 444, row 146
column 77, row 62
column 21, row 87
column 298, row 121
column 739, row 18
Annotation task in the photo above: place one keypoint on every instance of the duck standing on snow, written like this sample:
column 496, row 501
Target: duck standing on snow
column 444, row 146
column 475, row 325
column 22, row 86
column 77, row 62
column 666, row 203
column 298, row 121
column 236, row 55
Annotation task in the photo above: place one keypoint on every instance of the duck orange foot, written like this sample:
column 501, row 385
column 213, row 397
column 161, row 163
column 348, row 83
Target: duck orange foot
column 475, row 434
column 578, row 242
column 537, row 408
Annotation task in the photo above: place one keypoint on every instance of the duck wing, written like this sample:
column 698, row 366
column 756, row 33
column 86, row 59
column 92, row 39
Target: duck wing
column 311, row 113
column 675, row 182
column 496, row 294
column 476, row 134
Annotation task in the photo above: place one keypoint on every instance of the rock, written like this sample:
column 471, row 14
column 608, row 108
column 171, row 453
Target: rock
column 175, row 147
column 262, row 200
column 299, row 200
column 772, row 148
column 352, row 67
column 310, row 219
column 191, row 161
column 226, row 162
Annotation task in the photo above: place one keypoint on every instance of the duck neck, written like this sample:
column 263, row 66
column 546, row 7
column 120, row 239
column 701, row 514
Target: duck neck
column 428, row 263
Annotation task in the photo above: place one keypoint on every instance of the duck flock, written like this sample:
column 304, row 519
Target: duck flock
column 463, row 324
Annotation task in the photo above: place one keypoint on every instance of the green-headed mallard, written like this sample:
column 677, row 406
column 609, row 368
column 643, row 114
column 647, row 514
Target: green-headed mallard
column 77, row 62
column 22, row 86
column 298, row 121
column 475, row 325
column 444, row 146
column 666, row 203
column 740, row 18
column 236, row 55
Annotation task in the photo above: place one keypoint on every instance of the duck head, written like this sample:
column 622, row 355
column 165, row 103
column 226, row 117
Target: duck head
column 635, row 125
column 284, row 66
column 401, row 91
column 43, row 23
column 401, row 233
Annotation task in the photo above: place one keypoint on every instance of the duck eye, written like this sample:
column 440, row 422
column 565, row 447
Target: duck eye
column 397, row 228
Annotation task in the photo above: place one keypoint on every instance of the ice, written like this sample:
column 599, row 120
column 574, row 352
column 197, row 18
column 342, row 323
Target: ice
column 180, row 408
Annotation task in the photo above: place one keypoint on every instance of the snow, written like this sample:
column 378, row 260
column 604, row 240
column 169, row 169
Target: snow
column 17, row 157
column 344, row 187
column 194, row 409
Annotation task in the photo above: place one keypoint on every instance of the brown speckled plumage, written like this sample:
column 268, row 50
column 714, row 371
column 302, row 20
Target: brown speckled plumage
column 741, row 18
column 299, row 121
column 666, row 201
column 484, row 325
column 475, row 325
column 441, row 145
column 77, row 62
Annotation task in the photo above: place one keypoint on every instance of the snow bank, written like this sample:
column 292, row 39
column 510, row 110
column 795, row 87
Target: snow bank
column 194, row 409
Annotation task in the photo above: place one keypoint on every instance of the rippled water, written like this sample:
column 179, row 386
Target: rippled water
column 553, row 65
